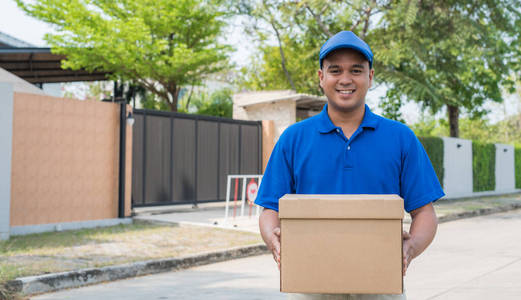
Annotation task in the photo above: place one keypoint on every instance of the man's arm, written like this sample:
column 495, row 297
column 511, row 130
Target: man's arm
column 269, row 225
column 421, row 233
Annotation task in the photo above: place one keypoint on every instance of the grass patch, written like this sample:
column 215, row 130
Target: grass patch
column 444, row 207
column 51, row 252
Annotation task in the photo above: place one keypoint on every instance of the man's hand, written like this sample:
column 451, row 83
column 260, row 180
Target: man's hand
column 407, row 251
column 269, row 225
column 275, row 245
column 423, row 229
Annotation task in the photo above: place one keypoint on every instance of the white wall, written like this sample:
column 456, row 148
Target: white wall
column 6, row 138
column 457, row 162
column 505, row 165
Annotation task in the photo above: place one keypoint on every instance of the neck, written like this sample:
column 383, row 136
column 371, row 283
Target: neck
column 348, row 121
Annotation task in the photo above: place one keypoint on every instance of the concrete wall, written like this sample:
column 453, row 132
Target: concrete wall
column 458, row 173
column 128, row 169
column 6, row 130
column 505, row 165
column 65, row 160
column 457, row 181
column 283, row 113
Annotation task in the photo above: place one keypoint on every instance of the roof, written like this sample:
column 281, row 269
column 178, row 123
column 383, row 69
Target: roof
column 19, row 85
column 39, row 65
column 304, row 101
column 7, row 41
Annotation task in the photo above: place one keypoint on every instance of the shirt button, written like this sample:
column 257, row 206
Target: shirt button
column 348, row 147
column 337, row 130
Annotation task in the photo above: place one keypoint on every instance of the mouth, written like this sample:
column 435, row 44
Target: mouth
column 346, row 91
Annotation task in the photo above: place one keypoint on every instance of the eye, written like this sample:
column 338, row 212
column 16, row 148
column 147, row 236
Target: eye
column 334, row 71
column 356, row 71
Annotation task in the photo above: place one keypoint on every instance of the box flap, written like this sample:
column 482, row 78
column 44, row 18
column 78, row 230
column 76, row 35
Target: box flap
column 301, row 206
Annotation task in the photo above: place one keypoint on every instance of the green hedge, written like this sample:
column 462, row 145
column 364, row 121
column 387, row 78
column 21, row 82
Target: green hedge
column 517, row 167
column 483, row 166
column 434, row 148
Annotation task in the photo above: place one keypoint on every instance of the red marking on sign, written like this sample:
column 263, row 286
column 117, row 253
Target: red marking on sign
column 251, row 191
column 235, row 198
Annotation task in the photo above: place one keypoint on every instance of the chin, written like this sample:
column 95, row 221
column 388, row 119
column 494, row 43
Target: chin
column 346, row 107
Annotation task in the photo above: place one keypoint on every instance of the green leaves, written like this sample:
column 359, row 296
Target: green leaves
column 161, row 44
column 483, row 166
column 218, row 104
column 436, row 53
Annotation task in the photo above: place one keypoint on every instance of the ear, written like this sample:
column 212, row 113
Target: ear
column 371, row 74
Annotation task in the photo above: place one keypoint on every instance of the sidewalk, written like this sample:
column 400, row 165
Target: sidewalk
column 471, row 259
column 211, row 215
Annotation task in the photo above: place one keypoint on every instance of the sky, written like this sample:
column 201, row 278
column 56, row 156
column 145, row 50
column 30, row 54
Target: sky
column 14, row 22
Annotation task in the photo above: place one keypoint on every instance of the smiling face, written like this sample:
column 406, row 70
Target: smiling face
column 345, row 78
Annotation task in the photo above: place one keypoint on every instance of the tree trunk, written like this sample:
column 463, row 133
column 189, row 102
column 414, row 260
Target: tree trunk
column 173, row 92
column 453, row 112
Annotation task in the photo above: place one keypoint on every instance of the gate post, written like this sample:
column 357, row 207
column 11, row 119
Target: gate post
column 6, row 136
column 122, row 157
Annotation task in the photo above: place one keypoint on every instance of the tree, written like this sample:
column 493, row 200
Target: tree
column 218, row 104
column 442, row 54
column 452, row 54
column 161, row 45
column 299, row 27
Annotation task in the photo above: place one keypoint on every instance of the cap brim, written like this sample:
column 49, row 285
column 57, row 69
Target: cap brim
column 347, row 46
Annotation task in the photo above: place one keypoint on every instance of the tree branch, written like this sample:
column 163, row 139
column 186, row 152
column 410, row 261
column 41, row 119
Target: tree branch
column 283, row 58
column 319, row 21
column 367, row 17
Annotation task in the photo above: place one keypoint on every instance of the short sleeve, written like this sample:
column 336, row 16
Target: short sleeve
column 419, row 184
column 278, row 178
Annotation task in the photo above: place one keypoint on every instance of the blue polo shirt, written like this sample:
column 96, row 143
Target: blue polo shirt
column 381, row 157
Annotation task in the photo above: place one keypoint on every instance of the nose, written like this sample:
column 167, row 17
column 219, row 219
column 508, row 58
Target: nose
column 345, row 79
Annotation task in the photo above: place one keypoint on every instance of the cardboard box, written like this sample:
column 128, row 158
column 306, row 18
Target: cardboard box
column 341, row 244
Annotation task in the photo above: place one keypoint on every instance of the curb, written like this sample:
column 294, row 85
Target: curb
column 58, row 281
column 479, row 212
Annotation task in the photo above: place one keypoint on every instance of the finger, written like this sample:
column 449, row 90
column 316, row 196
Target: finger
column 276, row 231
column 276, row 245
column 276, row 257
column 276, row 253
column 406, row 235
column 404, row 266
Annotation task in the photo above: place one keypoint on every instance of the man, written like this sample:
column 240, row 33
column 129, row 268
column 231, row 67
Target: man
column 346, row 149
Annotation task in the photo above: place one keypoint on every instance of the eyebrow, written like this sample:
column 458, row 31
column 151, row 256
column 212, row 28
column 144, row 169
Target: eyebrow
column 333, row 66
column 361, row 66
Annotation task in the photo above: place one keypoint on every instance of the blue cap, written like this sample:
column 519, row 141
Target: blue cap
column 346, row 39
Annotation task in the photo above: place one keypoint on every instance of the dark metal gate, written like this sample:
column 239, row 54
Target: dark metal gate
column 181, row 158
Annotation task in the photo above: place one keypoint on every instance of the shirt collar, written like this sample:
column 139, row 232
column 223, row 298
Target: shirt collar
column 325, row 125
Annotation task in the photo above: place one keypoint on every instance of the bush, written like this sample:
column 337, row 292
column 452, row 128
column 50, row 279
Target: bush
column 434, row 148
column 483, row 166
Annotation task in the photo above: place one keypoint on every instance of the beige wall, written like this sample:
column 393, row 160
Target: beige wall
column 65, row 160
column 283, row 113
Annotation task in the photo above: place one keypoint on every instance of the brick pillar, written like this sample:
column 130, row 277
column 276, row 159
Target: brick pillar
column 268, row 141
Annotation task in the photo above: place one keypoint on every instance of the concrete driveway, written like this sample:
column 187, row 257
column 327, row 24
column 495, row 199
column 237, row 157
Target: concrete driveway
column 477, row 258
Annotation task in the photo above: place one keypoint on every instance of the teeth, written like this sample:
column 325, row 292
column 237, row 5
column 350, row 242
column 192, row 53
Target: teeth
column 346, row 92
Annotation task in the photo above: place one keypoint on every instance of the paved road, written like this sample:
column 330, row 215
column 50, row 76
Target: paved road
column 478, row 258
